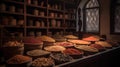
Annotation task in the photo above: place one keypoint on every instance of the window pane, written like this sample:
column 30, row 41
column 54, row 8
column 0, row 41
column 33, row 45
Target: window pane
column 118, row 1
column 117, row 19
column 92, row 20
column 92, row 3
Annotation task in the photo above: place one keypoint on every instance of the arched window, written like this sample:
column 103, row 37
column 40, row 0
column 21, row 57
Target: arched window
column 115, row 16
column 91, row 17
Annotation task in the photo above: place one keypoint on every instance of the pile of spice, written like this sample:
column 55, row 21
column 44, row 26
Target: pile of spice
column 60, row 58
column 72, row 51
column 19, row 59
column 99, row 47
column 37, row 52
column 64, row 44
column 42, row 62
column 32, row 40
column 54, row 48
column 13, row 44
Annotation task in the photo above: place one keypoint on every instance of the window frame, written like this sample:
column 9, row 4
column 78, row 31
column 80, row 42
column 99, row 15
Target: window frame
column 84, row 16
column 113, row 5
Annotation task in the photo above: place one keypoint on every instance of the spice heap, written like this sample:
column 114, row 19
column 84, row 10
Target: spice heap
column 92, row 38
column 99, row 47
column 32, row 40
column 64, row 44
column 104, row 44
column 54, row 48
column 42, row 62
column 46, row 38
column 19, row 59
column 71, row 37
column 86, row 48
column 13, row 44
column 72, row 51
column 79, row 42
column 61, row 57
column 37, row 52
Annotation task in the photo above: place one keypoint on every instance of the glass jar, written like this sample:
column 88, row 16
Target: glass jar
column 31, row 33
column 20, row 22
column 58, row 23
column 20, row 10
column 5, row 21
column 38, row 33
column 3, row 7
column 51, row 14
column 13, row 22
column 42, row 4
column 66, row 16
column 55, row 14
column 37, row 24
column 53, row 23
column 12, row 8
column 30, row 22
column 29, row 1
column 42, row 24
column 35, row 2
column 56, row 6
column 42, row 13
column 36, row 12
column 61, row 16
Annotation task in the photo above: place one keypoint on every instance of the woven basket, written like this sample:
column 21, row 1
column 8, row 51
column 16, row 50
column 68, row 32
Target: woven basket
column 28, row 47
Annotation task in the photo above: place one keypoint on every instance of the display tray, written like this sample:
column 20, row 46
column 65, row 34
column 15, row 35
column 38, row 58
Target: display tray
column 89, row 57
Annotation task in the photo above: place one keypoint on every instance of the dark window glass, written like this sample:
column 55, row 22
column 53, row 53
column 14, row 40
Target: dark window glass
column 91, row 16
column 115, row 16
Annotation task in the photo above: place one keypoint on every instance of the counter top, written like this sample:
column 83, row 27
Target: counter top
column 87, row 58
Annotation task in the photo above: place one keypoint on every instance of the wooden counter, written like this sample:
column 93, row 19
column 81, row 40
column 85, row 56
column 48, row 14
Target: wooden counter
column 107, row 58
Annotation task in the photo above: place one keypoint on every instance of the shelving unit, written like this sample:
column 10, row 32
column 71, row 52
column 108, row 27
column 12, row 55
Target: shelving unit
column 45, row 16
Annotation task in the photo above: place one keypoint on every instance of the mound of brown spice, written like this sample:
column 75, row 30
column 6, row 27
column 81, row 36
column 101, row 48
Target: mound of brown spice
column 19, row 59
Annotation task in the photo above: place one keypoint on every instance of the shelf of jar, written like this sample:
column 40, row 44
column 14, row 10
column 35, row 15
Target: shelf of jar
column 69, row 2
column 14, row 13
column 32, row 5
column 15, row 2
column 70, row 28
column 56, row 28
column 36, row 27
column 55, row 17
column 70, row 19
column 57, row 10
column 30, row 15
column 72, row 11
column 13, row 26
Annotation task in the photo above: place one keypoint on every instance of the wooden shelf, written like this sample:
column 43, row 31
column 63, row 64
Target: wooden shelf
column 69, row 12
column 29, row 9
column 35, row 27
column 15, row 2
column 55, row 18
column 41, row 7
column 30, row 15
column 56, row 28
column 57, row 10
column 70, row 28
column 13, row 26
column 71, row 19
column 14, row 13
